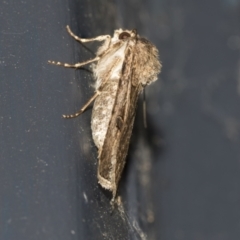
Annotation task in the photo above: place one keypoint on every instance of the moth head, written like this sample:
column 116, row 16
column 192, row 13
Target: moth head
column 124, row 34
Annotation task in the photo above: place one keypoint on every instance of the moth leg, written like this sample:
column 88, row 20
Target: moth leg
column 84, row 107
column 106, row 38
column 83, row 40
column 76, row 65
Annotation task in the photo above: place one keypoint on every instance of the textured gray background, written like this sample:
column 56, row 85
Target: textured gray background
column 182, row 180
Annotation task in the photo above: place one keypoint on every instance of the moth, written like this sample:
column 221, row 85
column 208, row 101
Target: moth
column 124, row 65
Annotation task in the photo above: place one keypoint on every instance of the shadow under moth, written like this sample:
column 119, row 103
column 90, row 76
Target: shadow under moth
column 124, row 65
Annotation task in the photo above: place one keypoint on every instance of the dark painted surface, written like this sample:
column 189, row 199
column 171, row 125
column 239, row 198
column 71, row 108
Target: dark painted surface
column 182, row 180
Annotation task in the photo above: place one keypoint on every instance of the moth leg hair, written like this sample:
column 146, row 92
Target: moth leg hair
column 84, row 107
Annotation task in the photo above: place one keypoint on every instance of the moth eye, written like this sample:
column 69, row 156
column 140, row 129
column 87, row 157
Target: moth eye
column 124, row 35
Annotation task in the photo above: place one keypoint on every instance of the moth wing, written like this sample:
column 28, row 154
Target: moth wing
column 122, row 143
column 113, row 153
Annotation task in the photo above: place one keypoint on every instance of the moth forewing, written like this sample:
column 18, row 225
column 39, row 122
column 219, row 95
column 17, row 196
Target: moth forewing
column 125, row 64
column 110, row 164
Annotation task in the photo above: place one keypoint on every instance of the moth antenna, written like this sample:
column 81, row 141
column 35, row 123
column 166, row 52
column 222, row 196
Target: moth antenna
column 144, row 109
column 84, row 40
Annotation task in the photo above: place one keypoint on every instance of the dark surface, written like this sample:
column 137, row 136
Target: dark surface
column 182, row 180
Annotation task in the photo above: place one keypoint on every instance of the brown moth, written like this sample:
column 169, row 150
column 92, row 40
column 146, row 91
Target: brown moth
column 125, row 64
